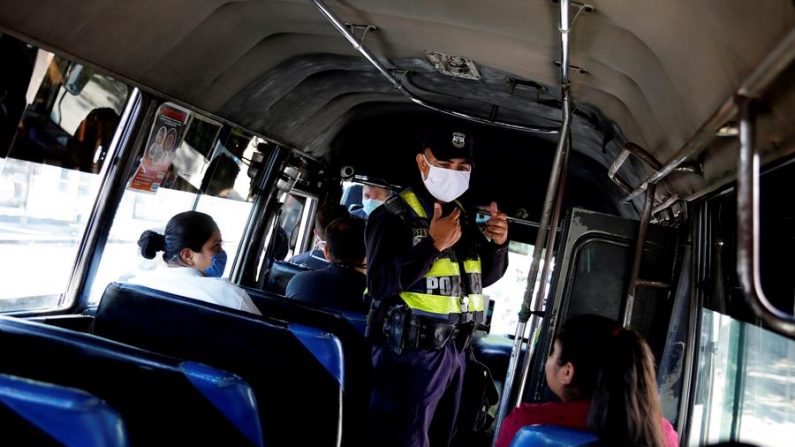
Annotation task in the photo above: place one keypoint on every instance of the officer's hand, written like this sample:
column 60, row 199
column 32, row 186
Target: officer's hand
column 444, row 231
column 496, row 228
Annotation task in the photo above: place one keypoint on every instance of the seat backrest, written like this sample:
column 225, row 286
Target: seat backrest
column 355, row 319
column 358, row 365
column 551, row 436
column 162, row 400
column 280, row 275
column 295, row 370
column 44, row 414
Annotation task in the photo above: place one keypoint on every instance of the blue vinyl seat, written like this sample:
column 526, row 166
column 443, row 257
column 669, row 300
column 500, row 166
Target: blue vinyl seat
column 296, row 370
column 551, row 436
column 162, row 400
column 44, row 414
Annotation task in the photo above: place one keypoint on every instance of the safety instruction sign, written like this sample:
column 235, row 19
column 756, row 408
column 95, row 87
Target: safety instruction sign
column 167, row 132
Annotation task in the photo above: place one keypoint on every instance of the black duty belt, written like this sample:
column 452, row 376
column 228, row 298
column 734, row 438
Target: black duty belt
column 403, row 330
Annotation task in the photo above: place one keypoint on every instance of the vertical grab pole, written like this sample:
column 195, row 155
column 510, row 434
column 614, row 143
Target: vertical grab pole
column 538, row 301
column 645, row 217
column 558, row 166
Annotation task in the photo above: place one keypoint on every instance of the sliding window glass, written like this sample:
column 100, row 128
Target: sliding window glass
column 57, row 120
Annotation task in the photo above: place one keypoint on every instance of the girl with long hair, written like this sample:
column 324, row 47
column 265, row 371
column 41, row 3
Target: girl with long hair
column 604, row 376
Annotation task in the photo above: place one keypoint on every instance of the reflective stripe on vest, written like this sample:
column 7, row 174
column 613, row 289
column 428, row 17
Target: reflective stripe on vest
column 413, row 202
column 441, row 292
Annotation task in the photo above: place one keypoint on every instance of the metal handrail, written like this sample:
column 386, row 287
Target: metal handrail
column 540, row 293
column 630, row 149
column 753, row 86
column 399, row 85
column 748, row 225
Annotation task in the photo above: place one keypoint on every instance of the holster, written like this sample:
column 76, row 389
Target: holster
column 400, row 329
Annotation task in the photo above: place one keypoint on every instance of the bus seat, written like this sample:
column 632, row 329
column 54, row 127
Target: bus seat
column 551, row 436
column 50, row 415
column 162, row 400
column 494, row 351
column 280, row 275
column 357, row 320
column 296, row 371
column 358, row 366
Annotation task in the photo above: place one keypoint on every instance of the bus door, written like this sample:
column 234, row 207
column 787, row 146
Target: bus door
column 592, row 273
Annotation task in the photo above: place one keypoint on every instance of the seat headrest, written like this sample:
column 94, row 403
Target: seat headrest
column 280, row 275
column 551, row 436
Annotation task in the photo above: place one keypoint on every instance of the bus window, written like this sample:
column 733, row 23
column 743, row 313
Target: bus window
column 508, row 292
column 746, row 373
column 207, row 174
column 745, row 384
column 290, row 225
column 226, row 189
column 49, row 174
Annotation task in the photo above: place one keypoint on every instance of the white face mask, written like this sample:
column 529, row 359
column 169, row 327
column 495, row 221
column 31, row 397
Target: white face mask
column 446, row 184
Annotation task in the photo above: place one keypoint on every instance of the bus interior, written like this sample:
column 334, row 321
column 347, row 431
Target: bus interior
column 643, row 152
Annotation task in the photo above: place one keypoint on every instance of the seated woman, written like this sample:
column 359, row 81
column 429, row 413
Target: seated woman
column 195, row 261
column 340, row 286
column 604, row 375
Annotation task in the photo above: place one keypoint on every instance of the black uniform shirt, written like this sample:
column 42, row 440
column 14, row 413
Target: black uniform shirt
column 394, row 264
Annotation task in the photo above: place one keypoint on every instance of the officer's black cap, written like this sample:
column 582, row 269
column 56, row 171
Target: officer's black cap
column 447, row 143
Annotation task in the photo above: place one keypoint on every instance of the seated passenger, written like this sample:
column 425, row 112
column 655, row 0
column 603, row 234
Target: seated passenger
column 372, row 198
column 88, row 147
column 341, row 284
column 604, row 374
column 314, row 259
column 195, row 262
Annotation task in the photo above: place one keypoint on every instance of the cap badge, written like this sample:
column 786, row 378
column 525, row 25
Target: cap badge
column 459, row 139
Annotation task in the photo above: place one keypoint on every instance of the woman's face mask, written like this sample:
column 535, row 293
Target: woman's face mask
column 446, row 184
column 216, row 268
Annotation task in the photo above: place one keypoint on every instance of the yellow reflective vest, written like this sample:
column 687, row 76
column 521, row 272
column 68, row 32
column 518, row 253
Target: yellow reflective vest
column 445, row 292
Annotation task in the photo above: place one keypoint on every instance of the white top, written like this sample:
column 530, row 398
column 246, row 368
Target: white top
column 190, row 283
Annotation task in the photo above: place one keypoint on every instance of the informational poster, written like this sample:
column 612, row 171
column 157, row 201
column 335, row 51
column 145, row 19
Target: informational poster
column 167, row 131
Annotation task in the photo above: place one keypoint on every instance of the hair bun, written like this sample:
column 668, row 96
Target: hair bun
column 150, row 243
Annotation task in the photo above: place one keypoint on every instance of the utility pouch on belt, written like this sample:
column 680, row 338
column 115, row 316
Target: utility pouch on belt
column 436, row 335
column 398, row 330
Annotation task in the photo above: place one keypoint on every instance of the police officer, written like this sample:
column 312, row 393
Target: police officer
column 427, row 264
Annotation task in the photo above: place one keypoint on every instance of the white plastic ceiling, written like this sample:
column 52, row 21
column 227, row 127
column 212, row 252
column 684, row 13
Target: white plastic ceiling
column 656, row 68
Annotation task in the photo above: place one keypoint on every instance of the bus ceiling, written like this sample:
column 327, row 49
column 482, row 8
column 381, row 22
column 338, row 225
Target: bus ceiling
column 645, row 73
